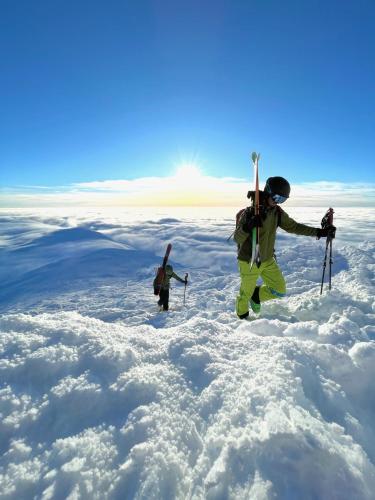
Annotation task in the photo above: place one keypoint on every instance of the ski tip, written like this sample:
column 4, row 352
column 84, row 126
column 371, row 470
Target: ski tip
column 255, row 156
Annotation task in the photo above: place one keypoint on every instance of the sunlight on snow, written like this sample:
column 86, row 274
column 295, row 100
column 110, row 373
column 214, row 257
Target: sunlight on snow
column 102, row 396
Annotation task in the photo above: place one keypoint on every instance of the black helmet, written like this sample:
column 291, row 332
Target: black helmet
column 277, row 185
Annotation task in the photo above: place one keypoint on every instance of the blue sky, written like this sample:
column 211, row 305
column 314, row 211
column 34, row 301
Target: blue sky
column 96, row 91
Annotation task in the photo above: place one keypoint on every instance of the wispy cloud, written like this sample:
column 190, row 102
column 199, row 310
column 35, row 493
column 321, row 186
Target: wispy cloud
column 190, row 189
column 337, row 193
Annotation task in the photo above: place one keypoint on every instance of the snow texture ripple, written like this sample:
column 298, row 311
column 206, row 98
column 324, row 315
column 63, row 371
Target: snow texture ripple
column 102, row 397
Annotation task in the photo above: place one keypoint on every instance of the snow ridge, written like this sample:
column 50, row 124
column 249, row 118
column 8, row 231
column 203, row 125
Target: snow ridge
column 103, row 397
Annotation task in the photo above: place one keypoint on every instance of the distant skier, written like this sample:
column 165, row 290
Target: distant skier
column 276, row 191
column 163, row 301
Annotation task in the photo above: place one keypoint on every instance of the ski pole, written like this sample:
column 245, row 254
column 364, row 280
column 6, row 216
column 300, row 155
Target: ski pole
column 326, row 222
column 186, row 276
column 229, row 237
column 324, row 268
column 330, row 262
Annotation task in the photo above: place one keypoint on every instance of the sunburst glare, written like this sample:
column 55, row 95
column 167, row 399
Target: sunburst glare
column 188, row 171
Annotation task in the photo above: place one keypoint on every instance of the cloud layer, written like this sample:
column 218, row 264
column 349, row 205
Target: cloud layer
column 190, row 189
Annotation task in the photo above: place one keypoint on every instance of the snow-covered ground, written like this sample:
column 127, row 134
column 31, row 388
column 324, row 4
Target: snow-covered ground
column 103, row 397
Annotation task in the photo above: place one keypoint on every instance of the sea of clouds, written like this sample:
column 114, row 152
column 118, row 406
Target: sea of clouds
column 102, row 396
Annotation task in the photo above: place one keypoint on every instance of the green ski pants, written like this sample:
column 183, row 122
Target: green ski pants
column 273, row 286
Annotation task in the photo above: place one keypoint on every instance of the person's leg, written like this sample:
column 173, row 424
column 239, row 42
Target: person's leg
column 273, row 282
column 255, row 300
column 161, row 297
column 249, row 278
column 166, row 300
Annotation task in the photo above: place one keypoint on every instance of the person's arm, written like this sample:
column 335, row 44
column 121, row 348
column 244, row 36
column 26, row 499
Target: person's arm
column 325, row 232
column 291, row 226
column 174, row 275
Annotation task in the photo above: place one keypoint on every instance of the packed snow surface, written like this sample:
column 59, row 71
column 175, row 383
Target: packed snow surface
column 102, row 396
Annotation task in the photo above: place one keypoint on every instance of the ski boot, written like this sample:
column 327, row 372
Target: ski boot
column 255, row 306
column 255, row 302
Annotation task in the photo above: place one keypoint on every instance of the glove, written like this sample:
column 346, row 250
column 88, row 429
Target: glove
column 329, row 231
column 255, row 221
column 185, row 281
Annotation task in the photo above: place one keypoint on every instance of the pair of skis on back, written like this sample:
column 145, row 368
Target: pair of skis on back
column 326, row 222
column 255, row 255
column 160, row 273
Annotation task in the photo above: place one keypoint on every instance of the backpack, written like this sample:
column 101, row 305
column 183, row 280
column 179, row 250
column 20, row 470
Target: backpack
column 160, row 273
column 242, row 214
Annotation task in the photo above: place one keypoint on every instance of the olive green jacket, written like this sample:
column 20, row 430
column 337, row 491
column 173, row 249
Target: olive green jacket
column 167, row 278
column 274, row 217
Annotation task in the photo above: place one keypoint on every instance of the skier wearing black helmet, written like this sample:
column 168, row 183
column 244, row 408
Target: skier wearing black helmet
column 277, row 187
column 276, row 192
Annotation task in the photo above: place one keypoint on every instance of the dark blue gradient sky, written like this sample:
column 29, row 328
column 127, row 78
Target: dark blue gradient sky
column 94, row 90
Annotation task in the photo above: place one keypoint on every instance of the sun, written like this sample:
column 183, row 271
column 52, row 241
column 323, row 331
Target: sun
column 188, row 171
